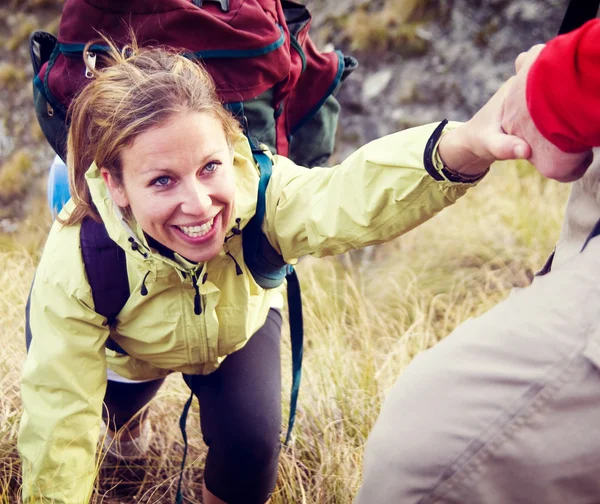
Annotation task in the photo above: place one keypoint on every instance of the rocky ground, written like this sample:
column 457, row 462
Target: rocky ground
column 447, row 61
column 420, row 61
column 24, row 154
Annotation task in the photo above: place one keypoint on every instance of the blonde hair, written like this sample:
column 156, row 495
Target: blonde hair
column 138, row 89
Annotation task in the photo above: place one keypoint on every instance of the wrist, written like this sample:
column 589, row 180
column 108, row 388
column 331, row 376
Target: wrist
column 457, row 156
column 446, row 158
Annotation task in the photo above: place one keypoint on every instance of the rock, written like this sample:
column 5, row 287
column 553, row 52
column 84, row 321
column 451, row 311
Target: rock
column 472, row 48
column 375, row 83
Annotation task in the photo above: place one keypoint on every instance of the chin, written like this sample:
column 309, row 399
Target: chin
column 200, row 254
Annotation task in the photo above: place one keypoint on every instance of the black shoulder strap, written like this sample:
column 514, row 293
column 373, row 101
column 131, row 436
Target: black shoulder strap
column 106, row 270
column 578, row 12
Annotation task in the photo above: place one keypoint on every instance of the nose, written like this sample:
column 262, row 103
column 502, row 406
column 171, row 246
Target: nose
column 196, row 199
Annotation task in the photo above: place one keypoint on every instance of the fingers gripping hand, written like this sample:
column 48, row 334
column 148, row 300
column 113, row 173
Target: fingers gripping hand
column 490, row 141
column 473, row 146
column 548, row 159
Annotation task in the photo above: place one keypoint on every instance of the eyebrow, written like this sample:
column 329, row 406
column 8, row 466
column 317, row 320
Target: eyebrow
column 169, row 170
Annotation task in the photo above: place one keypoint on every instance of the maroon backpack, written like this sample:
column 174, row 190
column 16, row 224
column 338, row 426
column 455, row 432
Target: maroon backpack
column 265, row 66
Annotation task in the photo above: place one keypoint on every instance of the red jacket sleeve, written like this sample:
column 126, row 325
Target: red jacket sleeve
column 563, row 89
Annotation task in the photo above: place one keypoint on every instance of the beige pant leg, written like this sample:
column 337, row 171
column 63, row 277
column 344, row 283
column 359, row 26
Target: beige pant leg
column 504, row 410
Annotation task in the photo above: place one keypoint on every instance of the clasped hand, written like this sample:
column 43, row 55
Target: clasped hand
column 504, row 129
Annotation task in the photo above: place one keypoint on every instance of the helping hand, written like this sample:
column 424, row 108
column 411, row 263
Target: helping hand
column 473, row 146
column 548, row 159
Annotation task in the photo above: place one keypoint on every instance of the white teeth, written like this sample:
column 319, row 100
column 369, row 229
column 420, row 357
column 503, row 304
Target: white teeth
column 196, row 231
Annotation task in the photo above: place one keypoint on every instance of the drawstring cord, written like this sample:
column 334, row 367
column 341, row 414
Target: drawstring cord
column 135, row 246
column 238, row 270
column 144, row 290
column 235, row 230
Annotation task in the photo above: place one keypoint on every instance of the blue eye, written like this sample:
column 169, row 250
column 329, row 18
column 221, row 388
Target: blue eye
column 211, row 167
column 161, row 181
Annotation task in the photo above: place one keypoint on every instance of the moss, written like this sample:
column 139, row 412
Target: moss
column 394, row 28
column 11, row 76
column 14, row 175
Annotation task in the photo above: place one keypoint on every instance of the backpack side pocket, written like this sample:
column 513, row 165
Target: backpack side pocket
column 42, row 47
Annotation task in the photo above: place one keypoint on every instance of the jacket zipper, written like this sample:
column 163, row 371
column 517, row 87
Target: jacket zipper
column 204, row 353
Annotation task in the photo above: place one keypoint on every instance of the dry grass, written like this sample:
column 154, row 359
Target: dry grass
column 14, row 175
column 363, row 326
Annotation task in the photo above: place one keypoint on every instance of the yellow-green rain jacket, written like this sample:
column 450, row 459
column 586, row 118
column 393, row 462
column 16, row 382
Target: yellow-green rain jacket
column 378, row 193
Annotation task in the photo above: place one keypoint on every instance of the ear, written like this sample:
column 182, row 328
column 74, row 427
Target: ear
column 117, row 191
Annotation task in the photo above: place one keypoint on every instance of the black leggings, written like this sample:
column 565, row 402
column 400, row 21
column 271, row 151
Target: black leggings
column 240, row 406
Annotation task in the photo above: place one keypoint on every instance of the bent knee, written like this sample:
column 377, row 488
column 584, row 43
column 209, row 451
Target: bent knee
column 248, row 448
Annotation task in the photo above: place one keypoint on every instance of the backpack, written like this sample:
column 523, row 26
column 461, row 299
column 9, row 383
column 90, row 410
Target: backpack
column 258, row 52
column 268, row 73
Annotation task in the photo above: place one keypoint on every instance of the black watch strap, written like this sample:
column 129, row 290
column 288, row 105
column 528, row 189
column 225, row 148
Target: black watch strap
column 446, row 173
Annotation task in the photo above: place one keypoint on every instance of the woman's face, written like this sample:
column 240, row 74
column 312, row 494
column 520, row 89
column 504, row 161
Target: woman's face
column 178, row 181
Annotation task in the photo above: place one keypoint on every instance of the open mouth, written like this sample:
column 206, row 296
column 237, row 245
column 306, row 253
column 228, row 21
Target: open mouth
column 197, row 231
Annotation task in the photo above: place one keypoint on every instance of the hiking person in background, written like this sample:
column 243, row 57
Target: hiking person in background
column 506, row 408
column 153, row 154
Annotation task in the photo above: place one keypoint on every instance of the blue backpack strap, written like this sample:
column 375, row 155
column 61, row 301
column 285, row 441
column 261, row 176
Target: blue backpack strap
column 294, row 297
column 269, row 270
column 267, row 267
column 182, row 428
column 106, row 270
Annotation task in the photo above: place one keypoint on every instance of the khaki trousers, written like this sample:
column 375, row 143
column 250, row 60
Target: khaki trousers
column 506, row 409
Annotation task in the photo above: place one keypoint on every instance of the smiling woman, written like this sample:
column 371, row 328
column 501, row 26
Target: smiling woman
column 154, row 156
column 179, row 183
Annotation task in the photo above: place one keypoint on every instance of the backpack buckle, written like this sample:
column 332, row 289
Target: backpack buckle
column 223, row 3
column 91, row 64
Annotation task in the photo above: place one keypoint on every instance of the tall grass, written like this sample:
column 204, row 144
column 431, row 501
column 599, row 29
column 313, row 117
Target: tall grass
column 366, row 316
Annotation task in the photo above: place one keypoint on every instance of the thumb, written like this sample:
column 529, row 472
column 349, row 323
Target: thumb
column 521, row 149
column 509, row 147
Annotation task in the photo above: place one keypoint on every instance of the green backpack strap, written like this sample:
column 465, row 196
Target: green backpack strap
column 294, row 297
column 269, row 270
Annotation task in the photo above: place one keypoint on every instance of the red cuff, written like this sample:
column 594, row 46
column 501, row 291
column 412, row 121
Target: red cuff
column 563, row 89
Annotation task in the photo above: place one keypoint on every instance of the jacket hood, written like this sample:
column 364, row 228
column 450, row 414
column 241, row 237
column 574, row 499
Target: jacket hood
column 127, row 232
